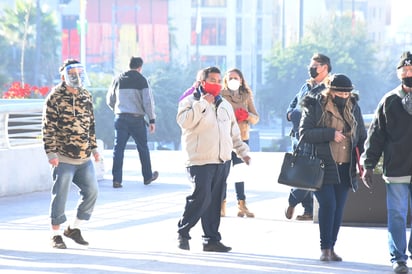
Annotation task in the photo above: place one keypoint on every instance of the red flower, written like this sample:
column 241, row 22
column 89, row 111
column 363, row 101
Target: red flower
column 18, row 90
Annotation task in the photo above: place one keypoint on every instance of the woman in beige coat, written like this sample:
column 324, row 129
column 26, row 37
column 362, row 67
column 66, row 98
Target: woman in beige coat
column 240, row 96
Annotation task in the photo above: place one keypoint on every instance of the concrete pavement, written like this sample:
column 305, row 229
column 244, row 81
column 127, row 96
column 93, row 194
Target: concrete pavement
column 133, row 229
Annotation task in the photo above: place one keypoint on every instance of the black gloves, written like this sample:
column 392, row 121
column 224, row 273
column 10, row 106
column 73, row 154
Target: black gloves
column 367, row 178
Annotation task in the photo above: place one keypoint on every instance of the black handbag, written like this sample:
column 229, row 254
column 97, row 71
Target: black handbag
column 302, row 170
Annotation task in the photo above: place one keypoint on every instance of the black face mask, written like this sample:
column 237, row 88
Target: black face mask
column 339, row 101
column 407, row 82
column 313, row 72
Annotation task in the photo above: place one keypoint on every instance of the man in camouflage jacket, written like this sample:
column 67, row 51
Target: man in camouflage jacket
column 69, row 140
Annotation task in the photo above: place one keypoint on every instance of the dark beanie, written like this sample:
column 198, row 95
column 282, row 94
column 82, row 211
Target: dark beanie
column 340, row 82
column 406, row 59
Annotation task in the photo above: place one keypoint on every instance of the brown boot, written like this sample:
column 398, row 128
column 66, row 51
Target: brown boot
column 326, row 255
column 243, row 210
column 335, row 257
column 223, row 209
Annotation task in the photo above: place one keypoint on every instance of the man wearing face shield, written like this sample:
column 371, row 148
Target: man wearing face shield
column 319, row 68
column 69, row 141
column 390, row 135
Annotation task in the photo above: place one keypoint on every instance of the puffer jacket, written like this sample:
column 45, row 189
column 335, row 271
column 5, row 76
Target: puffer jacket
column 68, row 124
column 321, row 136
column 209, row 131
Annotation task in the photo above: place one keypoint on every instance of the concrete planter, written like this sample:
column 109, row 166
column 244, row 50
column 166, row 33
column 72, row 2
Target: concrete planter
column 367, row 207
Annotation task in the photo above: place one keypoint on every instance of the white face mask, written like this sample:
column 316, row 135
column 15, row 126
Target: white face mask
column 233, row 84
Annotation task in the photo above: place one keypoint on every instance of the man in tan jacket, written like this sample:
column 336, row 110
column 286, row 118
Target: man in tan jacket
column 209, row 134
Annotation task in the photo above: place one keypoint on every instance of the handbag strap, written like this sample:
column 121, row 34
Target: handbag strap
column 313, row 149
column 295, row 151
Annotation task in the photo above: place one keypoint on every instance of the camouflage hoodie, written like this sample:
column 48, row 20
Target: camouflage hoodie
column 68, row 125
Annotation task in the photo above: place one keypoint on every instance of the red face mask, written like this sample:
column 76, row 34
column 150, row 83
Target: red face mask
column 213, row 89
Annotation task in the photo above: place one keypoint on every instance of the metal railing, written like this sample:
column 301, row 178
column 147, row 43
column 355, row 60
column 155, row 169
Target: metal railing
column 20, row 122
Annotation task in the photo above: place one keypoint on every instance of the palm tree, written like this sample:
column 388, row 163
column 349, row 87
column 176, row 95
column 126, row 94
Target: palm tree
column 32, row 35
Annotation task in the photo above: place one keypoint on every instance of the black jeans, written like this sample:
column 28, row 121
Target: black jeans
column 205, row 201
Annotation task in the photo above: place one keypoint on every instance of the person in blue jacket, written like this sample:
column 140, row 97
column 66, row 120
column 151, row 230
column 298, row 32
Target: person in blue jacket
column 319, row 68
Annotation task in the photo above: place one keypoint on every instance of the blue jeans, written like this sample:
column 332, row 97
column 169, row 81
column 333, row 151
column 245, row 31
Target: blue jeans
column 397, row 197
column 126, row 126
column 302, row 196
column 305, row 197
column 83, row 176
column 205, row 201
column 332, row 199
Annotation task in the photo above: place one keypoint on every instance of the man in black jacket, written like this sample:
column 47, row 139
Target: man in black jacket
column 390, row 134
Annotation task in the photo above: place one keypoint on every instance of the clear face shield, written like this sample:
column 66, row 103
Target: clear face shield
column 75, row 76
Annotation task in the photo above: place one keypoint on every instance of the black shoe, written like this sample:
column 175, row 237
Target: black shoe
column 155, row 175
column 183, row 243
column 216, row 247
column 117, row 185
column 75, row 235
column 57, row 242
column 400, row 267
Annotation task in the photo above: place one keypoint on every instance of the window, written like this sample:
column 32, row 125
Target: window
column 239, row 6
column 209, row 3
column 259, row 7
column 259, row 33
column 238, row 61
column 216, row 61
column 259, row 63
column 238, row 34
column 213, row 31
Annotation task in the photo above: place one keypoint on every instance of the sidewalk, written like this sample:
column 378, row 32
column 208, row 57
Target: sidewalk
column 133, row 229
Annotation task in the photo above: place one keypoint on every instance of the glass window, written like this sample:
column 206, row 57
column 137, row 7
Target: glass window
column 239, row 6
column 259, row 7
column 213, row 31
column 213, row 3
column 209, row 3
column 238, row 61
column 259, row 33
column 215, row 60
column 259, row 63
column 238, row 34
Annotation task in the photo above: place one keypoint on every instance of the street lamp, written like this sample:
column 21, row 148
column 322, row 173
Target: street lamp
column 82, row 19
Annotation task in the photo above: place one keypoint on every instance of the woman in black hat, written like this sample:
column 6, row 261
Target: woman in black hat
column 333, row 123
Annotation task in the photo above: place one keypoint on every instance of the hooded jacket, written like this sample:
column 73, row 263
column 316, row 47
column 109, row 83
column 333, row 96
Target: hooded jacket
column 69, row 125
column 314, row 133
column 209, row 131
